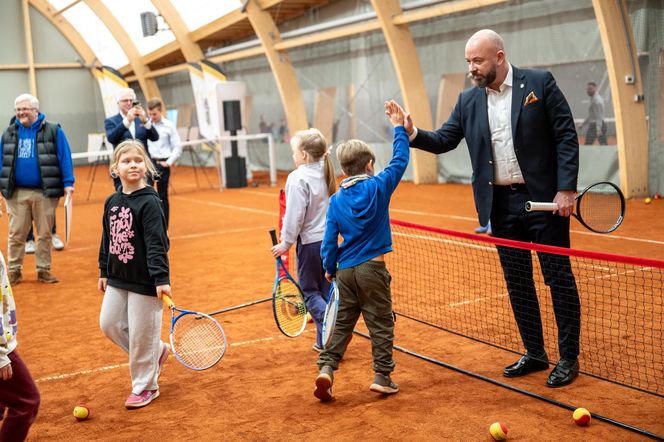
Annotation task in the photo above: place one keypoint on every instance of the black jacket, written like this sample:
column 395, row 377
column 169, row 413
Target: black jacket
column 543, row 133
column 133, row 253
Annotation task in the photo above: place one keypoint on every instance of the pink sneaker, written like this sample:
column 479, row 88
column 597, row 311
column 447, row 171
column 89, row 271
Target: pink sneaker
column 141, row 400
column 165, row 351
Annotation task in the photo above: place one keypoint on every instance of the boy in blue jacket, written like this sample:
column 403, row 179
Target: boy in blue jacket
column 359, row 213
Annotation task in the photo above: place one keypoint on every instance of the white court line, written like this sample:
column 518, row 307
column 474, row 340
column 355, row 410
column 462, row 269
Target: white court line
column 189, row 236
column 437, row 215
column 227, row 206
column 261, row 193
column 472, row 301
column 116, row 366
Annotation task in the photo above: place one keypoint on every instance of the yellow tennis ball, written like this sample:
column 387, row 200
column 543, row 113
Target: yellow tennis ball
column 498, row 430
column 309, row 318
column 648, row 200
column 581, row 417
column 81, row 412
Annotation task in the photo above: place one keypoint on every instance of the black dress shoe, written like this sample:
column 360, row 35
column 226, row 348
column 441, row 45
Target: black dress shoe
column 526, row 365
column 565, row 371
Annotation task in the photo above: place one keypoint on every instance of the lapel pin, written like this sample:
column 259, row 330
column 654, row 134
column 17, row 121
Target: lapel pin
column 521, row 86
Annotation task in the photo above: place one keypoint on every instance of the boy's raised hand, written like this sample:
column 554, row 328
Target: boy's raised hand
column 397, row 116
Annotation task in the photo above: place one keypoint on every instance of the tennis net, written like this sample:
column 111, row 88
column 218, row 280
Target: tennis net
column 454, row 281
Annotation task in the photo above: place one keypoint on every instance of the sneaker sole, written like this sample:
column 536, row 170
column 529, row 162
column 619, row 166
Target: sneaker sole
column 383, row 389
column 323, row 388
column 142, row 404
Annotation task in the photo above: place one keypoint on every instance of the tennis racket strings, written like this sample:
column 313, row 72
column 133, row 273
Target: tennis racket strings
column 198, row 341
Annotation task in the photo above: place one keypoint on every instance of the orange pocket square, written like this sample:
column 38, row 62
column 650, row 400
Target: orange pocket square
column 531, row 98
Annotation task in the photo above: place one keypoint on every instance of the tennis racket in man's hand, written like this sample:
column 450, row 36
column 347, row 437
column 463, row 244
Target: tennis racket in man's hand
column 197, row 339
column 288, row 307
column 600, row 207
column 331, row 310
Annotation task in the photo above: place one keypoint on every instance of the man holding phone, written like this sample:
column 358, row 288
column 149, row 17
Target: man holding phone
column 131, row 122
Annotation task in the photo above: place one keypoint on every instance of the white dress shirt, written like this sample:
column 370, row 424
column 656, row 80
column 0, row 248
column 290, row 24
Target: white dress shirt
column 506, row 168
column 168, row 145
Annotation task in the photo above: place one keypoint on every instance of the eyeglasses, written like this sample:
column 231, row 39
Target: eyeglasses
column 126, row 100
column 24, row 109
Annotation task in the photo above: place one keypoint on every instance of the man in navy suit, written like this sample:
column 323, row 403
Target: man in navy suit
column 130, row 122
column 523, row 146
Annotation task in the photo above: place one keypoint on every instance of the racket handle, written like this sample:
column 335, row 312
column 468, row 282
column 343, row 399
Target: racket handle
column 532, row 206
column 273, row 235
column 168, row 301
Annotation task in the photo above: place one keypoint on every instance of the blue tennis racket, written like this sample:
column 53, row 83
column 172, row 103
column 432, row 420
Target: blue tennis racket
column 331, row 310
column 288, row 307
column 197, row 339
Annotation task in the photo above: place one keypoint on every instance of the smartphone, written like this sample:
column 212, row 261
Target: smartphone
column 135, row 103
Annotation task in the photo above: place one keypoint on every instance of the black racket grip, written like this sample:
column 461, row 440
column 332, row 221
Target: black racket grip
column 273, row 235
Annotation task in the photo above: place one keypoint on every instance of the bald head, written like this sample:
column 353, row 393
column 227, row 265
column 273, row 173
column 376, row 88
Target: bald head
column 485, row 55
column 487, row 38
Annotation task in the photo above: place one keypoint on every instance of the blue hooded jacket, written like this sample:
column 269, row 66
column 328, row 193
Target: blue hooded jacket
column 360, row 214
column 27, row 166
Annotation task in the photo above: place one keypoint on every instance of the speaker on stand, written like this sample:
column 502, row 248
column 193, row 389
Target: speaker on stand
column 236, row 166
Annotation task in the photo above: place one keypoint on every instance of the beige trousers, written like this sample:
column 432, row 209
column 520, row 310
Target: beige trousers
column 23, row 207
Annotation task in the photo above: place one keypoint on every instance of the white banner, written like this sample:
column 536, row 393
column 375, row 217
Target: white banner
column 204, row 78
column 110, row 82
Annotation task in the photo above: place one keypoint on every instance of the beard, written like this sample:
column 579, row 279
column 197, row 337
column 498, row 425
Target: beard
column 484, row 80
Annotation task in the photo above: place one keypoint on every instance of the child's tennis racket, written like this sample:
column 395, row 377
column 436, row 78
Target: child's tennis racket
column 288, row 307
column 331, row 310
column 197, row 340
column 600, row 207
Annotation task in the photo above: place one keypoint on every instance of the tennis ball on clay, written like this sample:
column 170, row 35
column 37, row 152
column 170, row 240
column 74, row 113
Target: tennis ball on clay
column 309, row 318
column 648, row 200
column 581, row 417
column 498, row 430
column 81, row 412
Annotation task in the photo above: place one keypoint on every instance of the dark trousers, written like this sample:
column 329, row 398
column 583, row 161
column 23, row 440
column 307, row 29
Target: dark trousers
column 315, row 287
column 164, row 175
column 21, row 398
column 31, row 233
column 364, row 289
column 591, row 134
column 510, row 220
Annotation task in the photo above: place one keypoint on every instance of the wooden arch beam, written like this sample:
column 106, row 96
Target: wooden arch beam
column 148, row 85
column 282, row 68
column 191, row 51
column 411, row 81
column 615, row 29
column 67, row 30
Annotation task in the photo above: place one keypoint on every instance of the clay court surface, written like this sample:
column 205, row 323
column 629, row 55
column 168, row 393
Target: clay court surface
column 262, row 389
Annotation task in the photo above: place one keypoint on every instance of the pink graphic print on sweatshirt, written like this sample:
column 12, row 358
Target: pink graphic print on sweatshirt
column 121, row 224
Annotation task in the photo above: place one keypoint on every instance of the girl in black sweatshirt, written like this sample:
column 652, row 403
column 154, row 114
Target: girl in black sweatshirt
column 134, row 273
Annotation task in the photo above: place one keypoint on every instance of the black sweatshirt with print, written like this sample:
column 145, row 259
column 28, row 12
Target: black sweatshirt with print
column 133, row 253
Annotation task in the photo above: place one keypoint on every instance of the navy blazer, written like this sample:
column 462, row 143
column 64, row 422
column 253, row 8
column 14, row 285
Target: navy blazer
column 116, row 132
column 543, row 133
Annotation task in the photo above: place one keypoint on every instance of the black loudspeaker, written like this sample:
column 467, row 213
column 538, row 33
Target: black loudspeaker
column 232, row 116
column 236, row 172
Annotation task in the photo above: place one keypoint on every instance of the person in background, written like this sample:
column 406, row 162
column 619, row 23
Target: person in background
column 596, row 126
column 40, row 172
column 131, row 122
column 31, row 246
column 165, row 151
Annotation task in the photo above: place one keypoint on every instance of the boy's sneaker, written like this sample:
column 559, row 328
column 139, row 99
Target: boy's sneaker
column 57, row 242
column 30, row 247
column 165, row 351
column 46, row 277
column 383, row 384
column 324, row 384
column 141, row 400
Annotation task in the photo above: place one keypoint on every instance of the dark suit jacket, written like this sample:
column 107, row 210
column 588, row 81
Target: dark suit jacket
column 543, row 133
column 116, row 132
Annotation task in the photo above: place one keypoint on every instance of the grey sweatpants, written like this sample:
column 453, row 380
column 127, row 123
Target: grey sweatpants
column 364, row 289
column 133, row 322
